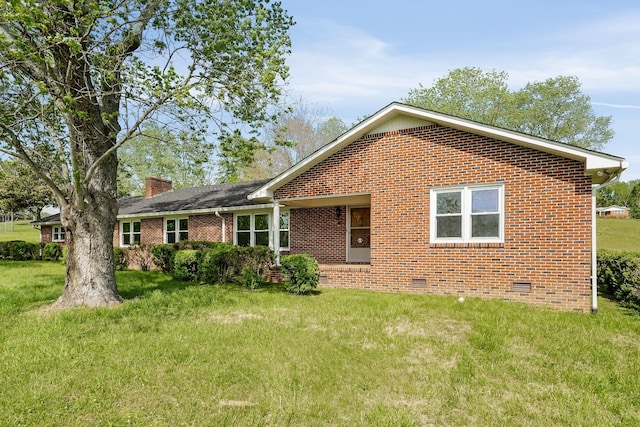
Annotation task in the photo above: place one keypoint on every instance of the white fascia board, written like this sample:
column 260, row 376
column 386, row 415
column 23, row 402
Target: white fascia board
column 197, row 211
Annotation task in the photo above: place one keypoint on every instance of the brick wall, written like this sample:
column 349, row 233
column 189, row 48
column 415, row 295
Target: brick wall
column 205, row 227
column 547, row 216
column 46, row 234
column 319, row 232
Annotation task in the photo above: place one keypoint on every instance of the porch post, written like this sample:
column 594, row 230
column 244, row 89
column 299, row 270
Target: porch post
column 276, row 230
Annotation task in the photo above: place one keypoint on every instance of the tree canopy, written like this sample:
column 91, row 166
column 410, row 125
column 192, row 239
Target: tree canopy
column 555, row 109
column 160, row 152
column 22, row 190
column 79, row 78
column 300, row 129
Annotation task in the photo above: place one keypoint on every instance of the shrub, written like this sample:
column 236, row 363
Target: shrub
column 194, row 244
column 251, row 279
column 140, row 256
column 301, row 273
column 21, row 251
column 163, row 257
column 185, row 264
column 52, row 252
column 120, row 259
column 220, row 263
column 619, row 275
column 4, row 250
column 256, row 263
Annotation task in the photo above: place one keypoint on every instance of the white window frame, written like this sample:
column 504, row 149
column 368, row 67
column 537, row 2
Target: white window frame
column 177, row 231
column 252, row 230
column 466, row 214
column 58, row 233
column 287, row 230
column 131, row 232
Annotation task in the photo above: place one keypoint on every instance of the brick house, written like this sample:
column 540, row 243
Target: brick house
column 413, row 201
column 613, row 212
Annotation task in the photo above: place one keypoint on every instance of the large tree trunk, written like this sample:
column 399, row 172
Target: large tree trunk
column 90, row 278
column 89, row 220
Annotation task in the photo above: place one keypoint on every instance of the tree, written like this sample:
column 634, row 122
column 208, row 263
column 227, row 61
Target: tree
column 617, row 194
column 22, row 190
column 300, row 130
column 156, row 151
column 554, row 109
column 78, row 79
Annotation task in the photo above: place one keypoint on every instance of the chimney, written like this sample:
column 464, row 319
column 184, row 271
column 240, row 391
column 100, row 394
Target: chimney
column 154, row 185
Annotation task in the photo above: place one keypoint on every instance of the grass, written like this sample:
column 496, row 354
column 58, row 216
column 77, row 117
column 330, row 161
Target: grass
column 178, row 354
column 618, row 234
column 19, row 230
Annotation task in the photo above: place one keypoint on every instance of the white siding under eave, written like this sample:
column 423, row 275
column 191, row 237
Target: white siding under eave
column 400, row 122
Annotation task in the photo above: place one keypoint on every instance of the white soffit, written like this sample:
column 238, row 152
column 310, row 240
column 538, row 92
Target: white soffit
column 399, row 123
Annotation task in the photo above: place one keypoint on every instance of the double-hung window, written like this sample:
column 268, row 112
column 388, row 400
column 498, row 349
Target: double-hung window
column 129, row 233
column 57, row 234
column 176, row 229
column 253, row 229
column 284, row 230
column 467, row 214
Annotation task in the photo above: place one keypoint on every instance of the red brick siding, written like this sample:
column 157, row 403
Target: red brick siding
column 205, row 227
column 319, row 232
column 547, row 215
column 46, row 234
column 151, row 231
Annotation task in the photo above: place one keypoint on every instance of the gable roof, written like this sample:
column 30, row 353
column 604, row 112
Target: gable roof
column 395, row 116
column 185, row 201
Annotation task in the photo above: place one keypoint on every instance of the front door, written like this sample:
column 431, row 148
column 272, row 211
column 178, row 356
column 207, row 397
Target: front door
column 359, row 235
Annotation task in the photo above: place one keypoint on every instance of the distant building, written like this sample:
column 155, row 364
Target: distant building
column 613, row 212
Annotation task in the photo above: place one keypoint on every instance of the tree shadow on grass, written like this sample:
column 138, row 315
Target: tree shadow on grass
column 134, row 284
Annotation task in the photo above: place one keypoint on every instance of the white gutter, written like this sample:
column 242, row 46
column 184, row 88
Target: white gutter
column 196, row 211
column 594, row 249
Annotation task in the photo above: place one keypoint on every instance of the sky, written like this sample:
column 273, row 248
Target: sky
column 353, row 57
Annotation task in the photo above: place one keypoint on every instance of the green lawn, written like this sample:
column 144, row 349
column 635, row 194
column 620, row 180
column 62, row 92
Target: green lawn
column 19, row 230
column 618, row 234
column 181, row 354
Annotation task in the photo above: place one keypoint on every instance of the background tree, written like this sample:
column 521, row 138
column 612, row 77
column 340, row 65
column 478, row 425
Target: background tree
column 300, row 130
column 79, row 78
column 617, row 194
column 22, row 190
column 555, row 109
column 156, row 151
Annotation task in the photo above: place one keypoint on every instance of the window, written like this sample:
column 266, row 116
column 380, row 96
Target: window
column 284, row 230
column 254, row 229
column 57, row 234
column 467, row 214
column 176, row 229
column 129, row 233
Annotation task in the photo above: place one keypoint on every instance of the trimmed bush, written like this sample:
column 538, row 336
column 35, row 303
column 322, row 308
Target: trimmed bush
column 120, row 259
column 163, row 257
column 52, row 252
column 619, row 275
column 301, row 273
column 220, row 263
column 185, row 264
column 22, row 251
column 5, row 253
column 197, row 245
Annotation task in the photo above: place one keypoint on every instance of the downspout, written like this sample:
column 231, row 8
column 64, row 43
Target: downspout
column 224, row 226
column 594, row 250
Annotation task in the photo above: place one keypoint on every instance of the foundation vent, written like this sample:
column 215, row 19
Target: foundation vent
column 521, row 286
column 419, row 283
